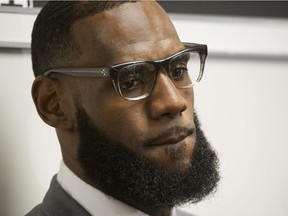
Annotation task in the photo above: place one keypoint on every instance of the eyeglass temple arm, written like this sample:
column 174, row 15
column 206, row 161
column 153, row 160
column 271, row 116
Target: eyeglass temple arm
column 91, row 72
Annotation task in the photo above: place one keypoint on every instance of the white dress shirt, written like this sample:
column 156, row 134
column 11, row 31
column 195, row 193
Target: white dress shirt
column 93, row 200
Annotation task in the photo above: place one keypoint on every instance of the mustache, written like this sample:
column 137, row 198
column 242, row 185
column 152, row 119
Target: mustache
column 176, row 130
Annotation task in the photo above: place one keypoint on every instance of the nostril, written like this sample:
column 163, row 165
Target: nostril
column 166, row 105
column 183, row 110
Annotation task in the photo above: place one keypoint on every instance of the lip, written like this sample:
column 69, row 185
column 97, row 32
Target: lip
column 170, row 137
column 169, row 141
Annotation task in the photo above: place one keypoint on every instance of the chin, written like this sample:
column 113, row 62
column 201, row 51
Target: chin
column 172, row 158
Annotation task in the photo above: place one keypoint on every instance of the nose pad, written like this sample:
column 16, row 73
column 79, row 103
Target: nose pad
column 166, row 99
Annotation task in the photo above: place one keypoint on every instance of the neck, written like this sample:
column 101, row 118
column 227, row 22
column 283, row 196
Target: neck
column 161, row 212
column 152, row 211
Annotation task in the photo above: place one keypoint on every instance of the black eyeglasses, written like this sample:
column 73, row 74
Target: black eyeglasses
column 135, row 80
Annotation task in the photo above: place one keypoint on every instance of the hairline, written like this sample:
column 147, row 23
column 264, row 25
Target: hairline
column 64, row 50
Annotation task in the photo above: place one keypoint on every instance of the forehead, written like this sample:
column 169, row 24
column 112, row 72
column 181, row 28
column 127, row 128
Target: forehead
column 132, row 31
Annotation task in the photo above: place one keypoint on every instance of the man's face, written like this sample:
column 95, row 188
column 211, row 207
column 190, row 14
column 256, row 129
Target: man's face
column 160, row 127
column 147, row 153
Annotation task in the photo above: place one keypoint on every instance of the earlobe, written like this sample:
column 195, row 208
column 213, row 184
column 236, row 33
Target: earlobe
column 46, row 97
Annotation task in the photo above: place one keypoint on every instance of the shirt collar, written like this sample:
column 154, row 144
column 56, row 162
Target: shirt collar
column 92, row 199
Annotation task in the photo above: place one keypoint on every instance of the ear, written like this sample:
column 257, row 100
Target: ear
column 46, row 95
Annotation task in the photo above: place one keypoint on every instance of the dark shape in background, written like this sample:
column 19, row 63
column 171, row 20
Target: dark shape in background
column 11, row 3
column 276, row 9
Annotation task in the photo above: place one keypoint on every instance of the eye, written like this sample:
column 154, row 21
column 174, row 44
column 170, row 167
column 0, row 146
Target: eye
column 134, row 76
column 131, row 84
column 179, row 72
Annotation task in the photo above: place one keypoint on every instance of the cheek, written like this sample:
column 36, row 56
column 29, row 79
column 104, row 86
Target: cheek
column 188, row 94
column 120, row 120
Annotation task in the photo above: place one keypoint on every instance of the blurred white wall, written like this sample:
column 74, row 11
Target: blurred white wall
column 242, row 102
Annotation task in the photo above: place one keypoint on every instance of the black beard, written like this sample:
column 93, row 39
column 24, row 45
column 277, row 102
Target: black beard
column 138, row 181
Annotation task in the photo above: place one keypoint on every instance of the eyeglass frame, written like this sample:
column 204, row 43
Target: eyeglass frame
column 113, row 70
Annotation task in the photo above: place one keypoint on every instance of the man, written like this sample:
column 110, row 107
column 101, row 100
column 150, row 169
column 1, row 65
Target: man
column 116, row 82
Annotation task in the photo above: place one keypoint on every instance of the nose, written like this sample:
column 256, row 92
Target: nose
column 166, row 100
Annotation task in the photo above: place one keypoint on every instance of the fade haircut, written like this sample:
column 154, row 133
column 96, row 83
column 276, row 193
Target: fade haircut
column 52, row 43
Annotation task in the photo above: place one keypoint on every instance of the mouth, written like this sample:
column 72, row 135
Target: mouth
column 171, row 136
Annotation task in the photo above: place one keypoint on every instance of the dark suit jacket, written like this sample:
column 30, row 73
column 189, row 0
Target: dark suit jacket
column 57, row 202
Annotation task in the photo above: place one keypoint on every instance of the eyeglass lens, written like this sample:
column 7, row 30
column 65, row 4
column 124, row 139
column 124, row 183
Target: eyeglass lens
column 137, row 79
column 184, row 69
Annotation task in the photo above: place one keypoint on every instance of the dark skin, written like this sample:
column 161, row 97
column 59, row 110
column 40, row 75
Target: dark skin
column 138, row 31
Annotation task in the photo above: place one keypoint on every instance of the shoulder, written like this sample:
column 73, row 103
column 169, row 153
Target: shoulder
column 36, row 211
column 57, row 202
